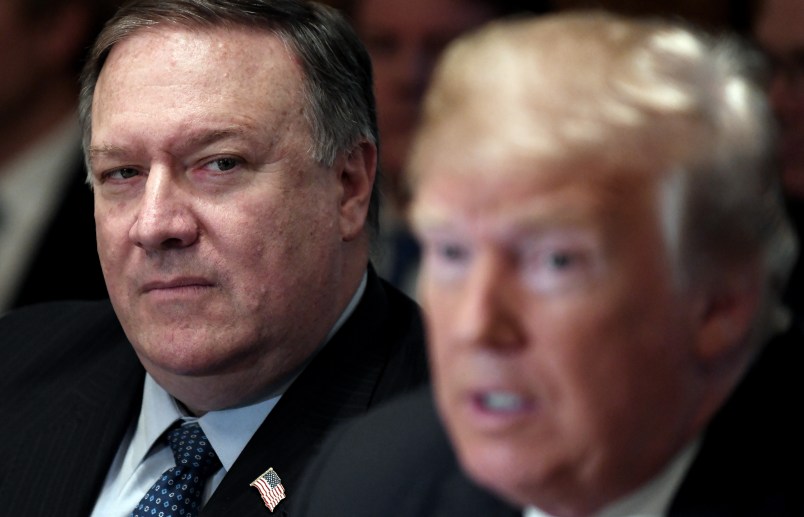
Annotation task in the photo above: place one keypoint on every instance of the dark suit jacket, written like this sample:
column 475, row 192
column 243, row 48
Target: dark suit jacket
column 72, row 386
column 65, row 264
column 396, row 461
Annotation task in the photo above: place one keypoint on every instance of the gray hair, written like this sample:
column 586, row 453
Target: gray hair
column 594, row 88
column 339, row 99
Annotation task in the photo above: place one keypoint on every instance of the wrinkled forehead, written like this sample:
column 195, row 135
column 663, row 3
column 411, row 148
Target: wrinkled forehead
column 239, row 71
column 239, row 52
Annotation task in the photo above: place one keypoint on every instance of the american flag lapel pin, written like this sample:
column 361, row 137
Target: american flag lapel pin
column 270, row 487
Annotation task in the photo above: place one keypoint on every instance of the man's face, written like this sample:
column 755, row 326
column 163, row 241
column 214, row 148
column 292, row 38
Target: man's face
column 778, row 30
column 561, row 346
column 404, row 40
column 218, row 235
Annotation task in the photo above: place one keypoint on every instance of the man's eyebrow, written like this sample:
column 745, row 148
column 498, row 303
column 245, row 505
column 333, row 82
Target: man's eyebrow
column 203, row 138
column 190, row 141
column 105, row 150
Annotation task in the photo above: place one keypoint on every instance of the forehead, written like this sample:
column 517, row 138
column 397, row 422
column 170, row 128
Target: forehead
column 503, row 195
column 182, row 70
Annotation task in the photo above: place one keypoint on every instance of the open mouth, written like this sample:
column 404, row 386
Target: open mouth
column 502, row 402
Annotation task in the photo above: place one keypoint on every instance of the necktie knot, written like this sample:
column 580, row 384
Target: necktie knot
column 180, row 489
column 192, row 449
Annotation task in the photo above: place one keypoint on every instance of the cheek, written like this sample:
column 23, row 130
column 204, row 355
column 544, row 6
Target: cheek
column 439, row 311
column 111, row 231
column 609, row 364
column 281, row 235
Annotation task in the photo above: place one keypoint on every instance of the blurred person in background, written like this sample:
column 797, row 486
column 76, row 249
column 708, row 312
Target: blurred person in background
column 779, row 30
column 404, row 40
column 47, row 232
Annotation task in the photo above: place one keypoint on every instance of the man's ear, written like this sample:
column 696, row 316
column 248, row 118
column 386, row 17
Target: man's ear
column 726, row 311
column 356, row 177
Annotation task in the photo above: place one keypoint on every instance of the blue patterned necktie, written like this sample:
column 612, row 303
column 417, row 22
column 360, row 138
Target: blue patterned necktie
column 178, row 492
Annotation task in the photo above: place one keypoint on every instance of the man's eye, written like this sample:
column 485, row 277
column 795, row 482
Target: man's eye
column 122, row 173
column 446, row 261
column 561, row 260
column 452, row 252
column 561, row 269
column 223, row 164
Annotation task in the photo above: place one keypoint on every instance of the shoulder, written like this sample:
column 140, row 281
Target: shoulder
column 754, row 445
column 59, row 340
column 387, row 326
column 400, row 315
column 394, row 461
column 380, row 463
column 58, row 322
column 57, row 313
column 394, row 425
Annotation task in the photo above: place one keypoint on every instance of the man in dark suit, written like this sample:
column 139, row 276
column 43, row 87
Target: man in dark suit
column 233, row 149
column 605, row 255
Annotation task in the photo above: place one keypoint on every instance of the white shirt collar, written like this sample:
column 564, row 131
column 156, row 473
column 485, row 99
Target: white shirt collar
column 228, row 430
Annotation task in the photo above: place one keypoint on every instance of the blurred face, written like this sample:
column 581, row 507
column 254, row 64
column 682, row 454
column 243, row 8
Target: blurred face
column 561, row 347
column 219, row 237
column 778, row 30
column 404, row 40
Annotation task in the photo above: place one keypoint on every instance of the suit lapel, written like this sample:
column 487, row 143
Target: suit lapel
column 338, row 384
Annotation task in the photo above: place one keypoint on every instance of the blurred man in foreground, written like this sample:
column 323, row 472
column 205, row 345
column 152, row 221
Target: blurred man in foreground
column 605, row 246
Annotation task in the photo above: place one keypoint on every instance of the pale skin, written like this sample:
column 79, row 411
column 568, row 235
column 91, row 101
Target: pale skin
column 569, row 366
column 228, row 252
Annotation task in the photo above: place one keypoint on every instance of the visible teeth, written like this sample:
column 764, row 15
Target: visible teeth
column 501, row 401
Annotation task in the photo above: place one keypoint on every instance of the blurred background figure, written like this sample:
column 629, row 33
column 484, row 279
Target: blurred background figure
column 47, row 231
column 404, row 40
column 779, row 30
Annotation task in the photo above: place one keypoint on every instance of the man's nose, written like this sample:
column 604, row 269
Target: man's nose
column 165, row 219
column 490, row 308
